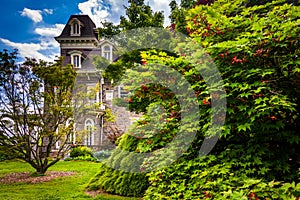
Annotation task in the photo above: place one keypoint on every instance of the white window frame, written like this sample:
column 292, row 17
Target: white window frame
column 75, row 27
column 109, row 52
column 73, row 60
column 89, row 127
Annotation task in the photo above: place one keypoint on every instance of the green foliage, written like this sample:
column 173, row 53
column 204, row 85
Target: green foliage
column 35, row 106
column 80, row 151
column 140, row 15
column 257, row 155
column 82, row 158
column 118, row 182
column 107, row 30
column 102, row 155
column 7, row 154
column 220, row 176
column 255, row 47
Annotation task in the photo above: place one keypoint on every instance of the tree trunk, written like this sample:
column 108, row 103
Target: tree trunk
column 41, row 170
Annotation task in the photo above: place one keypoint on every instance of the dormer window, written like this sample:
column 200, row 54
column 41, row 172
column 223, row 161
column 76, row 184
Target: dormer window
column 75, row 27
column 107, row 52
column 76, row 58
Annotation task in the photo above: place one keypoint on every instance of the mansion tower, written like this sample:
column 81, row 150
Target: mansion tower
column 79, row 42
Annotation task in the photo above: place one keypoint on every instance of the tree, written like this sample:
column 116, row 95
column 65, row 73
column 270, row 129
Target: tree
column 108, row 30
column 35, row 109
column 257, row 155
column 179, row 12
column 140, row 15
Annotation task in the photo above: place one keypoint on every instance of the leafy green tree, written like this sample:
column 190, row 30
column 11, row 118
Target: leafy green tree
column 35, row 107
column 108, row 30
column 257, row 154
column 140, row 15
column 179, row 12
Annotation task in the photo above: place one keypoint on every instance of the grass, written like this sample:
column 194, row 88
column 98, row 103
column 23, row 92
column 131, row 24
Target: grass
column 70, row 187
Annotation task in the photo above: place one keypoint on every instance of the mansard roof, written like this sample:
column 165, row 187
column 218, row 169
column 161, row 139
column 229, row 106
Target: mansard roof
column 87, row 30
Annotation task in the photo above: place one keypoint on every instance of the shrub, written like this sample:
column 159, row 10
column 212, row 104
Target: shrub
column 257, row 154
column 6, row 154
column 82, row 158
column 81, row 151
column 102, row 155
column 218, row 177
column 119, row 182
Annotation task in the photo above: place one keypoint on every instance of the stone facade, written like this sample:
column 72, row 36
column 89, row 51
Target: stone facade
column 78, row 42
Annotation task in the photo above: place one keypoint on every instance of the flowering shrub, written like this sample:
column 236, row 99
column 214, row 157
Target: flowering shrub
column 256, row 49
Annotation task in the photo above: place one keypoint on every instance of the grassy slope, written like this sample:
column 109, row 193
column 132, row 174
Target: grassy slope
column 72, row 187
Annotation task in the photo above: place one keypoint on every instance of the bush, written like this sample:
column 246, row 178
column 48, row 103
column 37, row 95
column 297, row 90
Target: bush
column 81, row 151
column 7, row 154
column 218, row 177
column 82, row 158
column 256, row 156
column 118, row 182
column 102, row 155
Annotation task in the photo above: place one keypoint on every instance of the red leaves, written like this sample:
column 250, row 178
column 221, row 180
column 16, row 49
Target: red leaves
column 172, row 27
column 144, row 87
column 188, row 29
column 206, row 194
column 273, row 118
column 206, row 102
column 235, row 60
column 253, row 194
column 259, row 52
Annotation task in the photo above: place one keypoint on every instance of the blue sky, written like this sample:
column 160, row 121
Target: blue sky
column 31, row 25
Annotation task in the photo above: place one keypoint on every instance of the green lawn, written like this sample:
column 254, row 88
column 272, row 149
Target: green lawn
column 70, row 187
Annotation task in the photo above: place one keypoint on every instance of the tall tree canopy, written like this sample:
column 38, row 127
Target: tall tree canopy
column 140, row 15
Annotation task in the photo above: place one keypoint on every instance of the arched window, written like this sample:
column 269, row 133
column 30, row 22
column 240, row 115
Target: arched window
column 107, row 52
column 76, row 60
column 75, row 26
column 89, row 127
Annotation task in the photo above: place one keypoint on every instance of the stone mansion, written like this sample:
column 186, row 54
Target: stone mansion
column 78, row 42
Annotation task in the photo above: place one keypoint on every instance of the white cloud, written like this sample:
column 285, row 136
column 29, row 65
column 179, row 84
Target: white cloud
column 53, row 31
column 117, row 6
column 31, row 50
column 48, row 11
column 99, row 11
column 158, row 5
column 34, row 15
column 96, row 9
column 46, row 49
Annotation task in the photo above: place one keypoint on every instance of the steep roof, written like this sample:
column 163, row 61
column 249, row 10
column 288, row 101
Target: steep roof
column 86, row 31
